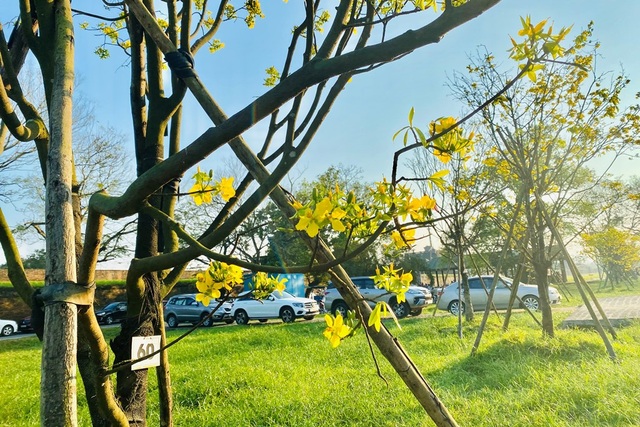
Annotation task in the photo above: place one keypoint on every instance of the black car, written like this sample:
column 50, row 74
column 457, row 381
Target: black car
column 24, row 325
column 114, row 312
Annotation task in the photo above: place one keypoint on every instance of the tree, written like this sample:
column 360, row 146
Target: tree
column 615, row 251
column 326, row 62
column 101, row 162
column 544, row 130
column 465, row 189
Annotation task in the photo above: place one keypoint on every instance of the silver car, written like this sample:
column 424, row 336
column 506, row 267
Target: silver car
column 184, row 308
column 448, row 298
column 416, row 298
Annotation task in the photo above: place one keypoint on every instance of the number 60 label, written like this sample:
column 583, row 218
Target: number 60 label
column 144, row 346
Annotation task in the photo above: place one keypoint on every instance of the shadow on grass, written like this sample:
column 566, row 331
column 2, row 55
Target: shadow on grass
column 515, row 359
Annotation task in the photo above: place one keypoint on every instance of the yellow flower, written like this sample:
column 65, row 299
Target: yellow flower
column 226, row 188
column 379, row 312
column 263, row 284
column 218, row 276
column 442, row 124
column 280, row 283
column 403, row 238
column 444, row 156
column 312, row 221
column 203, row 298
column 201, row 193
column 336, row 329
column 336, row 215
column 427, row 202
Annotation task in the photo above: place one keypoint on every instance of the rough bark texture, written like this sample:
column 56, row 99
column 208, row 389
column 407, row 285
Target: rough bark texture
column 58, row 367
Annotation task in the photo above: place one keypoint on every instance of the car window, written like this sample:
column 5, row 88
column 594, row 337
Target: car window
column 364, row 283
column 283, row 294
column 475, row 284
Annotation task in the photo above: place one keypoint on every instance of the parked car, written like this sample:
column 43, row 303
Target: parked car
column 184, row 308
column 25, row 325
column 281, row 305
column 224, row 312
column 8, row 327
column 112, row 312
column 417, row 298
column 528, row 294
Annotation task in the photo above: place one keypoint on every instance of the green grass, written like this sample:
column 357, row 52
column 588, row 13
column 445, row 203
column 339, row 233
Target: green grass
column 571, row 296
column 287, row 375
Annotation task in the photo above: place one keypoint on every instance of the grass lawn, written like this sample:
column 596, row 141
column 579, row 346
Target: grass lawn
column 287, row 375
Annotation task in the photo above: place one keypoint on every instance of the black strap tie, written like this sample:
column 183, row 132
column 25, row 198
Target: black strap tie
column 181, row 62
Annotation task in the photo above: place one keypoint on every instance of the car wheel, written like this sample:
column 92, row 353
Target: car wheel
column 7, row 330
column 108, row 320
column 241, row 317
column 416, row 312
column 287, row 315
column 531, row 302
column 454, row 306
column 400, row 309
column 172, row 321
column 208, row 322
column 340, row 308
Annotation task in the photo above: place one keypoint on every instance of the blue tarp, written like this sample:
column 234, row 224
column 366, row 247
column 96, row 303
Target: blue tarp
column 295, row 283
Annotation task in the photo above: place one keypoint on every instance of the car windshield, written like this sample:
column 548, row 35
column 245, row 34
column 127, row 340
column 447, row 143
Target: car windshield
column 111, row 306
column 283, row 294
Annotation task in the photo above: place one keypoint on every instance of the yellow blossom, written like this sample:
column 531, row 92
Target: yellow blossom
column 336, row 329
column 336, row 215
column 312, row 221
column 226, row 188
column 377, row 314
column 217, row 277
column 444, row 156
column 403, row 238
column 201, row 193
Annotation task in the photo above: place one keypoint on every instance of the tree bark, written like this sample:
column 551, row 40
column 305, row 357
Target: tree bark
column 58, row 382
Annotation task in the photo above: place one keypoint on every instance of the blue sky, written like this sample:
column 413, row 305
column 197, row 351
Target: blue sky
column 373, row 106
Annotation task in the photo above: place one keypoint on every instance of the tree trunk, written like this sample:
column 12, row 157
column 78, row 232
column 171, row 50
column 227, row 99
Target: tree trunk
column 87, row 368
column 58, row 405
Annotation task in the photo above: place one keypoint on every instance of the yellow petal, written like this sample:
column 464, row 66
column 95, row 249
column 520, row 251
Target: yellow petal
column 313, row 229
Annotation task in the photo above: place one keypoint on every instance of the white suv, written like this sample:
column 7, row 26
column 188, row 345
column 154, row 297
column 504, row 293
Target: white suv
column 416, row 298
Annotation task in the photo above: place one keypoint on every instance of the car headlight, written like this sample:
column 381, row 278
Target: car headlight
column 298, row 304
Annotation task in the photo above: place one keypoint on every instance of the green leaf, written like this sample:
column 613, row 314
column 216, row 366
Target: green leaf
column 423, row 139
column 398, row 133
column 411, row 112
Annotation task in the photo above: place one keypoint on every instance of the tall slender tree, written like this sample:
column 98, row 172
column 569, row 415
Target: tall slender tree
column 544, row 131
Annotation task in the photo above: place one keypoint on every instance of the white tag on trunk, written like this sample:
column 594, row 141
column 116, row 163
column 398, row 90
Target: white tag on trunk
column 143, row 346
